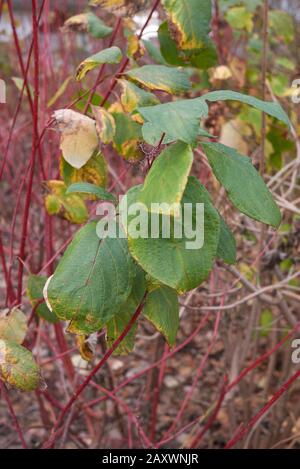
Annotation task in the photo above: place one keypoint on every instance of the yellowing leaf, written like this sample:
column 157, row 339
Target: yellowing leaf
column 127, row 137
column 132, row 96
column 240, row 18
column 13, row 325
column 71, row 207
column 79, row 138
column 112, row 55
column 94, row 171
column 18, row 367
column 105, row 124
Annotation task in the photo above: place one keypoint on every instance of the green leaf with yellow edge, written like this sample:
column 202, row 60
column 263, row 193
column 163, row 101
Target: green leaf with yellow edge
column 168, row 46
column 88, row 22
column 273, row 109
column 18, row 367
column 180, row 120
column 203, row 58
column 127, row 137
column 162, row 310
column 87, row 188
column 132, row 96
column 94, row 171
column 92, row 281
column 105, row 124
column 35, row 287
column 190, row 22
column 244, row 185
column 116, row 326
column 69, row 206
column 112, row 55
column 166, row 181
column 13, row 325
column 159, row 77
column 169, row 259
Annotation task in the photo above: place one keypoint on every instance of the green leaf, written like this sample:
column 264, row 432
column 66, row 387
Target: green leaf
column 167, row 179
column 18, row 367
column 154, row 52
column 273, row 109
column 112, row 55
column 88, row 22
column 121, row 319
column 87, row 188
column 227, row 245
column 244, row 186
column 127, row 137
column 203, row 58
column 105, row 124
column 190, row 21
column 169, row 259
column 162, row 310
column 35, row 287
column 92, row 280
column 178, row 119
column 168, row 46
column 13, row 325
column 132, row 96
column 160, row 77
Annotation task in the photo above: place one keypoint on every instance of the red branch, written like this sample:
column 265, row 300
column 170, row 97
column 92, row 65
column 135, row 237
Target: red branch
column 262, row 411
column 85, row 383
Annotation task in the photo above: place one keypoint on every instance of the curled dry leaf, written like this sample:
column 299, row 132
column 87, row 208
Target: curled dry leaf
column 79, row 138
column 87, row 346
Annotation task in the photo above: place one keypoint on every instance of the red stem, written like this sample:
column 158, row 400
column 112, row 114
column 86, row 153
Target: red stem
column 85, row 383
column 35, row 138
column 13, row 415
column 262, row 411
